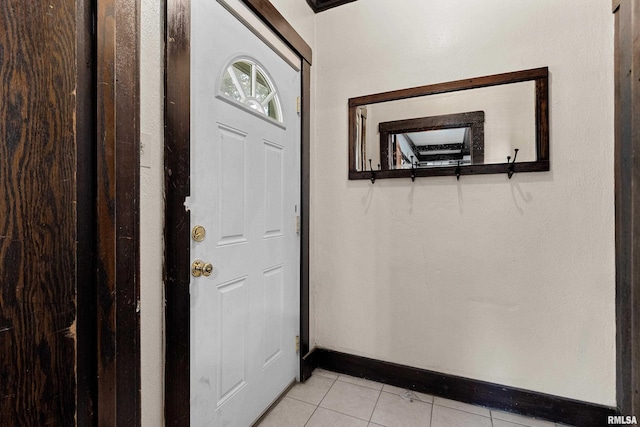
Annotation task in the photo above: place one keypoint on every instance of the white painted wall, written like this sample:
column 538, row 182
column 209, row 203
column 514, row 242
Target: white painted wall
column 504, row 281
column 508, row 281
column 151, row 212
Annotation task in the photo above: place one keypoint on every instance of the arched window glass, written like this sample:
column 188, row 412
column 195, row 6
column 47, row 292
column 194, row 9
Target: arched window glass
column 245, row 82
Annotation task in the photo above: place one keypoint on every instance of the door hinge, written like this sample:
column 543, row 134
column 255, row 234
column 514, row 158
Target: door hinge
column 298, row 105
column 297, row 224
column 297, row 343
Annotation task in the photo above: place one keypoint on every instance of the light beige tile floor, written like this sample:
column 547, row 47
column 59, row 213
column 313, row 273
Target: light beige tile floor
column 328, row 399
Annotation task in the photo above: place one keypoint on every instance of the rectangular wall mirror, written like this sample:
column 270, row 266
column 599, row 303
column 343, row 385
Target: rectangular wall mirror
column 464, row 127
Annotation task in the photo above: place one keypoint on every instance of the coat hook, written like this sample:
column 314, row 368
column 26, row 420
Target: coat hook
column 510, row 168
column 373, row 173
column 458, row 171
column 413, row 169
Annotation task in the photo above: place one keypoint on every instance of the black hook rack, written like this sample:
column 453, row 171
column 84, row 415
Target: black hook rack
column 510, row 168
column 458, row 170
column 373, row 173
column 414, row 166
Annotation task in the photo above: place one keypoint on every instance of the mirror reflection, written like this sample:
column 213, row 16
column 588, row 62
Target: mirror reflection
column 453, row 139
column 457, row 126
column 443, row 147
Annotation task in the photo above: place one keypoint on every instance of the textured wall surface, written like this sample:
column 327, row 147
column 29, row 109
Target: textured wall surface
column 508, row 281
column 151, row 212
column 504, row 281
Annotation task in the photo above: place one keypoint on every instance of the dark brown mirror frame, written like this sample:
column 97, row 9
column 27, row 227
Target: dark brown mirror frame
column 539, row 75
column 473, row 120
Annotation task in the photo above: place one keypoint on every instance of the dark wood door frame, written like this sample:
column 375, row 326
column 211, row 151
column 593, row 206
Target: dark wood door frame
column 86, row 326
column 117, row 159
column 627, row 202
column 177, row 234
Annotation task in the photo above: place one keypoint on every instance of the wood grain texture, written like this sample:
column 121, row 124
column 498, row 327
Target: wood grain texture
column 306, row 217
column 539, row 166
column 177, row 219
column 539, row 75
column 37, row 213
column 118, row 150
column 86, row 219
column 453, row 86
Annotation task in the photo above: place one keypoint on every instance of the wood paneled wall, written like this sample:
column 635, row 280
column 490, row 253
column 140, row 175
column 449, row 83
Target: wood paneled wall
column 118, row 210
column 69, row 217
column 38, row 154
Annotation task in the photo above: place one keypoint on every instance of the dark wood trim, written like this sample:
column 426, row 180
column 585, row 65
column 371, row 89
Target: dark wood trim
column 322, row 5
column 177, row 219
column 305, row 188
column 539, row 75
column 274, row 20
column 542, row 118
column 495, row 396
column 352, row 141
column 472, row 119
column 539, row 166
column 177, row 187
column 627, row 204
column 453, row 86
column 433, row 122
column 86, row 325
column 308, row 364
column 118, row 195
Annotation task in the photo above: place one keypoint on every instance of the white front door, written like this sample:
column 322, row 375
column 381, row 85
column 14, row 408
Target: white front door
column 245, row 193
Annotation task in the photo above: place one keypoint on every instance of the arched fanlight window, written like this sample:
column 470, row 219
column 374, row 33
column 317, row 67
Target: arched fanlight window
column 246, row 82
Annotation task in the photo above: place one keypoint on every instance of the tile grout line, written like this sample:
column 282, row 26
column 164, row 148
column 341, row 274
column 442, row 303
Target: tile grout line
column 380, row 391
column 360, row 384
column 374, row 407
column 318, row 405
column 431, row 415
column 314, row 411
column 342, row 413
column 462, row 410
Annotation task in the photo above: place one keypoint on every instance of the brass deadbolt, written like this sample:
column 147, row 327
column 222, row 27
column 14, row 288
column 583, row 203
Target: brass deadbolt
column 198, row 233
column 201, row 268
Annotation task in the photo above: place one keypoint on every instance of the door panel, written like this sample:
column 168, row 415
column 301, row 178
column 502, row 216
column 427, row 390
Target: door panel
column 245, row 191
column 231, row 176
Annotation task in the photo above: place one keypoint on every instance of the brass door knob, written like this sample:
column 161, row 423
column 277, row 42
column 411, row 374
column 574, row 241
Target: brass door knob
column 201, row 268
